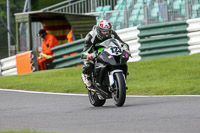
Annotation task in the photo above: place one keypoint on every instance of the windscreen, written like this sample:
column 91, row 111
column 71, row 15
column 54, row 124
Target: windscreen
column 110, row 42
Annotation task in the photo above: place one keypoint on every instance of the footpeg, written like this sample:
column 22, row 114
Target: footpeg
column 91, row 89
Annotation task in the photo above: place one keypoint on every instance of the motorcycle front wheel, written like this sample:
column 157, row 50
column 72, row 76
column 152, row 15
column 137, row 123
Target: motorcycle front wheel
column 94, row 99
column 119, row 95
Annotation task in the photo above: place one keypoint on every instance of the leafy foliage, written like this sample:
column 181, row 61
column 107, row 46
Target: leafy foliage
column 40, row 4
column 16, row 6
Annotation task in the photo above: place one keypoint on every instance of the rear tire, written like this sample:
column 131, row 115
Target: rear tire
column 94, row 99
column 120, row 87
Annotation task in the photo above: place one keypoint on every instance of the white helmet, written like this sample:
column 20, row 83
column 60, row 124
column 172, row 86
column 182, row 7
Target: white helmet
column 103, row 29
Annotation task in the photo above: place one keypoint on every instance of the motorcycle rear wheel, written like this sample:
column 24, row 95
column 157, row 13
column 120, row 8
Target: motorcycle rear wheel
column 119, row 95
column 94, row 99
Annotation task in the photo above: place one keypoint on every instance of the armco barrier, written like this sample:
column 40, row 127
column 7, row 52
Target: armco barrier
column 134, row 46
column 8, row 63
column 165, row 52
column 194, row 42
column 169, row 39
column 128, row 35
column 68, row 61
column 66, row 49
column 21, row 63
column 163, row 29
column 169, row 45
column 164, row 42
column 150, row 41
column 11, row 71
column 193, row 25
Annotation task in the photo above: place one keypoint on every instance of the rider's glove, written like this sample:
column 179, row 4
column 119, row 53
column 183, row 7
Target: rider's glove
column 129, row 53
column 91, row 56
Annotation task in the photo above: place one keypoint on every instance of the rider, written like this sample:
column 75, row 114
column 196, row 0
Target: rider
column 100, row 32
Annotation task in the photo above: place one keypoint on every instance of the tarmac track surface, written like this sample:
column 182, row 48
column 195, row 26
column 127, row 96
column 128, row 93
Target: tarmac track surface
column 73, row 113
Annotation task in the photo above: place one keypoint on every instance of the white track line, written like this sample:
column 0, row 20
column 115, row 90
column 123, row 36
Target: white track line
column 48, row 93
column 73, row 94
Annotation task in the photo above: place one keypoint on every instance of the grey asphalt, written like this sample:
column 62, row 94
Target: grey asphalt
column 74, row 114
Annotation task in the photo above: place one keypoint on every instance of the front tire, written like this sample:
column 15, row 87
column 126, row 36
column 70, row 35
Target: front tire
column 120, row 89
column 94, row 99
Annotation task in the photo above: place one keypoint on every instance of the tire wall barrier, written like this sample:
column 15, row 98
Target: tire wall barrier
column 21, row 63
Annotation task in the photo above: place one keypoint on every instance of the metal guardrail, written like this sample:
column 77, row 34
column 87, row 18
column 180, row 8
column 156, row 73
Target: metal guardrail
column 77, row 46
column 145, row 42
column 174, row 40
column 21, row 63
column 60, row 53
column 166, row 11
column 163, row 28
column 177, row 41
column 68, row 48
column 169, row 39
column 8, row 66
column 81, row 6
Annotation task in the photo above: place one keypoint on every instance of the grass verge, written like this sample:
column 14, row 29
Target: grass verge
column 176, row 75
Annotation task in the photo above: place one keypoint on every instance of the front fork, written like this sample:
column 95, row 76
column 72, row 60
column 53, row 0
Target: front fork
column 111, row 78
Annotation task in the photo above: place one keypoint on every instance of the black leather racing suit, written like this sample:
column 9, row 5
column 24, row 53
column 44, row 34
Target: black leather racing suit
column 91, row 40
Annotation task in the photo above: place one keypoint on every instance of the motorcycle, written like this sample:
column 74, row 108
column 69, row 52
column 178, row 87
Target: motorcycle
column 109, row 74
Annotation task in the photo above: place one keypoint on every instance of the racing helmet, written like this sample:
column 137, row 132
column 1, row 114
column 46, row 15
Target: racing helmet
column 103, row 29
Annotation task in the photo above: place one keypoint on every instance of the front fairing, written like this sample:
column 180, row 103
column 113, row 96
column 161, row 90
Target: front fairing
column 106, row 58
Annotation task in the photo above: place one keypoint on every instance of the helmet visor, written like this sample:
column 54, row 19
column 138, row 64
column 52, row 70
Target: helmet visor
column 105, row 32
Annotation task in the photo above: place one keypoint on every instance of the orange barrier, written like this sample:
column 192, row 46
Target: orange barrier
column 23, row 62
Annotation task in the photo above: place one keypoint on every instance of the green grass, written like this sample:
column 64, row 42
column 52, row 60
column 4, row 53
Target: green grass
column 166, row 76
column 57, row 80
column 162, row 76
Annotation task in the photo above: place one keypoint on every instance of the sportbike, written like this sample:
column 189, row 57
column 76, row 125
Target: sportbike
column 109, row 74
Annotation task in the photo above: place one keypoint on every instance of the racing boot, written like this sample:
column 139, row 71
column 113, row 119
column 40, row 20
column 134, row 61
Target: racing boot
column 87, row 80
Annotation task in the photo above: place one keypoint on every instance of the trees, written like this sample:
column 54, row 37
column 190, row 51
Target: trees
column 40, row 4
column 15, row 7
